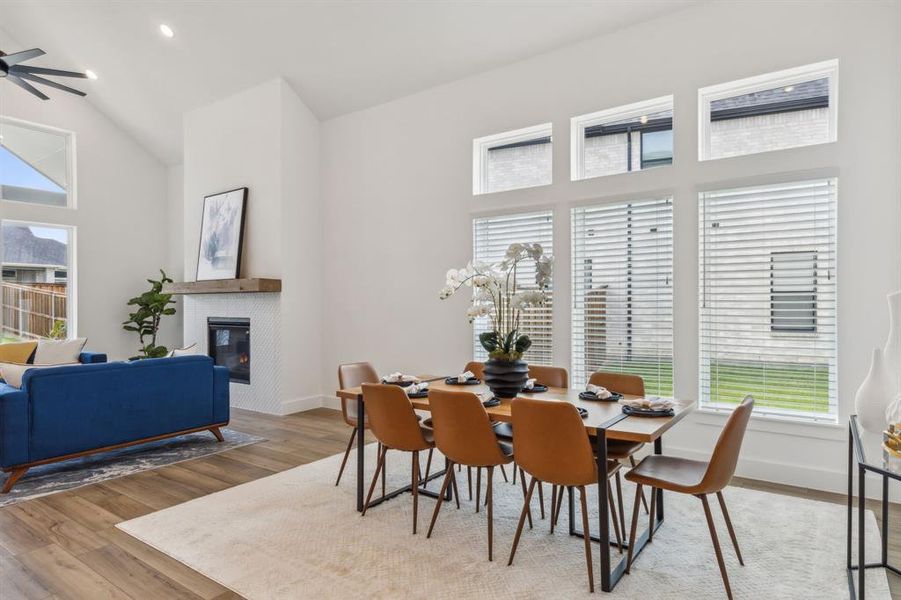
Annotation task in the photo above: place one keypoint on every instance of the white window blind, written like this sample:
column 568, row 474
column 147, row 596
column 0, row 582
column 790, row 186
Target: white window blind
column 768, row 298
column 622, row 265
column 491, row 236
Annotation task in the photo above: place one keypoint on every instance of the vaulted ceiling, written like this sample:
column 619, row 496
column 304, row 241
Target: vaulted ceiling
column 338, row 56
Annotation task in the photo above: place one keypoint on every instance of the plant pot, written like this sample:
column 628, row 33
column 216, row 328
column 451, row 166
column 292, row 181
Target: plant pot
column 505, row 378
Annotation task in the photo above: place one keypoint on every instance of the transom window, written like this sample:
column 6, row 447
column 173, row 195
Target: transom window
column 787, row 109
column 35, row 164
column 513, row 160
column 622, row 139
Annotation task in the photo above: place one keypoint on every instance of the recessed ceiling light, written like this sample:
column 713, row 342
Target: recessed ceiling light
column 167, row 31
column 643, row 119
column 788, row 88
column 91, row 74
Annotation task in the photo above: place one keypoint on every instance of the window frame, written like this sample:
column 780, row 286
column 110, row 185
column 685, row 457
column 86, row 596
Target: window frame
column 827, row 69
column 580, row 123
column 71, row 171
column 71, row 268
column 516, row 137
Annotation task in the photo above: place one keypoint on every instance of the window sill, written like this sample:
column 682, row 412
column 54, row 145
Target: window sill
column 821, row 430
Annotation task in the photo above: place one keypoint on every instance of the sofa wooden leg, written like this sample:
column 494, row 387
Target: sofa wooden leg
column 215, row 431
column 14, row 476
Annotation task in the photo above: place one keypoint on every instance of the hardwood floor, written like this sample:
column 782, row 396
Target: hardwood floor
column 66, row 546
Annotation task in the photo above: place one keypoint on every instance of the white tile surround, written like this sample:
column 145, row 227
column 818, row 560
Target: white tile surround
column 264, row 392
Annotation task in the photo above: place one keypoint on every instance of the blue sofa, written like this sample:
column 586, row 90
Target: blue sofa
column 69, row 411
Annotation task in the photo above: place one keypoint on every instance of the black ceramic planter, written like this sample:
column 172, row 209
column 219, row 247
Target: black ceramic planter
column 506, row 378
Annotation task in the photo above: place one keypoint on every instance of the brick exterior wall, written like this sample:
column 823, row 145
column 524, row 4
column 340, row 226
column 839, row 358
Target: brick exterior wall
column 735, row 137
column 520, row 167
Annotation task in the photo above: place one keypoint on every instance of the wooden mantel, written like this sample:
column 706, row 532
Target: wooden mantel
column 224, row 286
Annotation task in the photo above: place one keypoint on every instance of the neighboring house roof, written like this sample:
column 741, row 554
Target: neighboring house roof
column 811, row 91
column 22, row 247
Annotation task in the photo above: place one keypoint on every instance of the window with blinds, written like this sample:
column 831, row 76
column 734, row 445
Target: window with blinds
column 622, row 266
column 768, row 298
column 491, row 236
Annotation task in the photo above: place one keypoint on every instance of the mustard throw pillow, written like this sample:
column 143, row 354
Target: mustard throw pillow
column 17, row 352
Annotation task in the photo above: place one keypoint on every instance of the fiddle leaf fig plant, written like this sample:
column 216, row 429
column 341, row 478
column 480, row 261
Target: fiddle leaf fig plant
column 151, row 307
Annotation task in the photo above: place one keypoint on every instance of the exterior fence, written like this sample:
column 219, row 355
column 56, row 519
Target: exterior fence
column 31, row 310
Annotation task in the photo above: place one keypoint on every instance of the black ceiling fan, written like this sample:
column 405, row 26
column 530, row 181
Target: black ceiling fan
column 12, row 69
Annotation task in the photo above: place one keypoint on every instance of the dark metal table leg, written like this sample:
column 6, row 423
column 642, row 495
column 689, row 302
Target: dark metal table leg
column 850, row 502
column 361, row 450
column 658, row 449
column 885, row 519
column 603, row 511
column 861, row 513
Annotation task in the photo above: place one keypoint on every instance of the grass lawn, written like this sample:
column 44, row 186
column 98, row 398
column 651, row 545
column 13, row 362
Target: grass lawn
column 773, row 386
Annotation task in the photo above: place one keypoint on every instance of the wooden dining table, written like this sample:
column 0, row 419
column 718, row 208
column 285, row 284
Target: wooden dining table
column 604, row 420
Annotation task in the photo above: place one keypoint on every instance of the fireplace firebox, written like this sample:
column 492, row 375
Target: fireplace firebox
column 229, row 346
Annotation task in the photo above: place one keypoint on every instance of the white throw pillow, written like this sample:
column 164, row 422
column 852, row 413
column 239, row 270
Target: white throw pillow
column 12, row 373
column 58, row 352
column 186, row 351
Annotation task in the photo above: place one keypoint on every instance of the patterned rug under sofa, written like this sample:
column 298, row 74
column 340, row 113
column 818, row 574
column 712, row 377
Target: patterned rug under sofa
column 78, row 472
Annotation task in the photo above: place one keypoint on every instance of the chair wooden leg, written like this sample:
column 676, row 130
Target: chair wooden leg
column 504, row 473
column 447, row 479
column 456, row 491
column 644, row 502
column 428, row 467
column 541, row 498
column 611, row 504
column 587, row 537
column 490, row 499
column 651, row 514
column 553, row 506
column 415, row 474
column 375, row 479
column 719, row 496
column 350, row 444
column 478, row 487
column 11, row 479
column 215, row 431
column 619, row 500
column 522, row 481
column 384, row 471
column 634, row 527
column 522, row 515
column 556, row 514
column 716, row 544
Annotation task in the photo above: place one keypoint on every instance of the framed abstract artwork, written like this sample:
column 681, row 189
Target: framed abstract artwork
column 222, row 235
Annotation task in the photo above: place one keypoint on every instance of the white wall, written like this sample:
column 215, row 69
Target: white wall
column 267, row 140
column 396, row 191
column 121, row 218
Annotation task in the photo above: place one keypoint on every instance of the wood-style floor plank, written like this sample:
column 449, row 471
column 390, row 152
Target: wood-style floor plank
column 66, row 546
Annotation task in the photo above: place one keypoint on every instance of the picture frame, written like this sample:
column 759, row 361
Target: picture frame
column 221, row 244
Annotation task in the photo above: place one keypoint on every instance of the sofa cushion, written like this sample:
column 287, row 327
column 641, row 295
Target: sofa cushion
column 12, row 373
column 57, row 352
column 17, row 352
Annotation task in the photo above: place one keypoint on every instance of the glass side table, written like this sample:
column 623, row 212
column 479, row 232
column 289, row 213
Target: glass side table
column 889, row 467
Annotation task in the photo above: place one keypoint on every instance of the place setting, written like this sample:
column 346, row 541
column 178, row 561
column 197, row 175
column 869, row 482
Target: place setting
column 465, row 378
column 413, row 386
column 598, row 393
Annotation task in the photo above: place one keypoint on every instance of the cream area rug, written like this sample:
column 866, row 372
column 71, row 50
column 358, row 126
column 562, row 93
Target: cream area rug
column 296, row 535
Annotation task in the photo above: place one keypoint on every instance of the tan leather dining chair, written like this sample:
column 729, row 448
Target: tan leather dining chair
column 699, row 479
column 352, row 375
column 555, row 377
column 630, row 385
column 396, row 426
column 476, row 368
column 464, row 435
column 551, row 445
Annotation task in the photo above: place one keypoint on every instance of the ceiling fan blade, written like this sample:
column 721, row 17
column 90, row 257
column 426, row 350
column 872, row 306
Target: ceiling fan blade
column 49, row 83
column 43, row 71
column 27, row 87
column 17, row 57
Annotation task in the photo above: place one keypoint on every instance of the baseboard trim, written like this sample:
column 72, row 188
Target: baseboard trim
column 297, row 405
